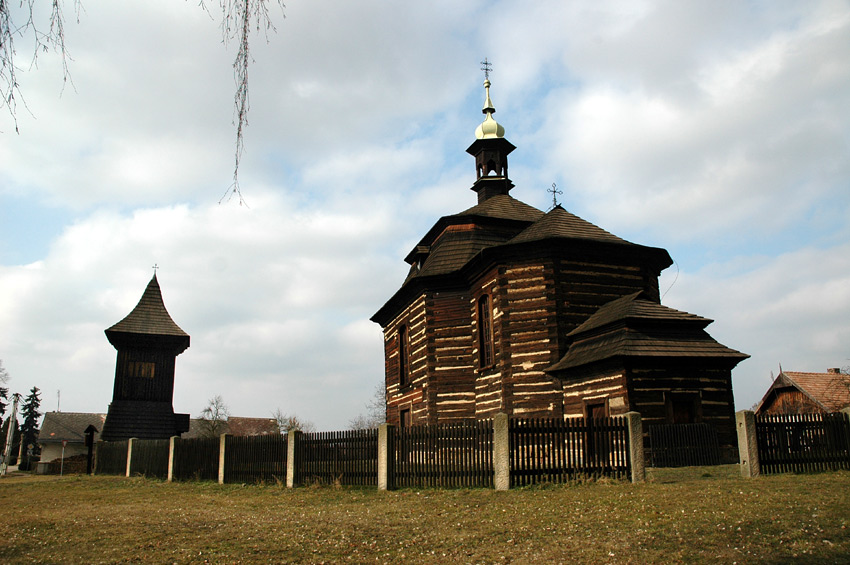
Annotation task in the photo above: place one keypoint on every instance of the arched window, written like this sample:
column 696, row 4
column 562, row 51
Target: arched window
column 485, row 331
column 402, row 355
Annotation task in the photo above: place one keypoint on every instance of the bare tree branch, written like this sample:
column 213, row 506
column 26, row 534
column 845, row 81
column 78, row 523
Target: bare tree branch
column 238, row 19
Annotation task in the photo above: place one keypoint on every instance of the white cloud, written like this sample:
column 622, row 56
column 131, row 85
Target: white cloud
column 717, row 131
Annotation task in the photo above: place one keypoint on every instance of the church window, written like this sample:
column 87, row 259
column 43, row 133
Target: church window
column 402, row 356
column 485, row 331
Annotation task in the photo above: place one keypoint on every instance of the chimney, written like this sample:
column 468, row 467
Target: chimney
column 834, row 370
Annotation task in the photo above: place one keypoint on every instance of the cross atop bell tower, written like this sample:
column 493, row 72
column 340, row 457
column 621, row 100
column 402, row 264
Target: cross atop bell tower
column 490, row 148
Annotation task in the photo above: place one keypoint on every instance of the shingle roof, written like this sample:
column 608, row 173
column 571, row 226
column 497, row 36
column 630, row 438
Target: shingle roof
column 149, row 316
column 558, row 223
column 635, row 306
column 633, row 326
column 454, row 248
column 505, row 207
column 831, row 391
column 69, row 426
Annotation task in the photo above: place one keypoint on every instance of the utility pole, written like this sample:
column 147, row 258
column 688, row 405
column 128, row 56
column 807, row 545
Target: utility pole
column 10, row 433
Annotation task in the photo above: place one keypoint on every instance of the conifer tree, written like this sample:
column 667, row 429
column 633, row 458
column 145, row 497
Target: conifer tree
column 29, row 429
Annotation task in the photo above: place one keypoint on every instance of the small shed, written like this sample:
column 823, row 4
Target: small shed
column 805, row 393
column 68, row 428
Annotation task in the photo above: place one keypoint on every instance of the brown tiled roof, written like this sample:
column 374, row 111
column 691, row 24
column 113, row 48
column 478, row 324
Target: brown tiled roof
column 252, row 426
column 558, row 223
column 633, row 326
column 149, row 316
column 505, row 207
column 69, row 426
column 236, row 426
column 829, row 390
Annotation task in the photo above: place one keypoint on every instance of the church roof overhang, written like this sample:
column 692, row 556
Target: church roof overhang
column 634, row 327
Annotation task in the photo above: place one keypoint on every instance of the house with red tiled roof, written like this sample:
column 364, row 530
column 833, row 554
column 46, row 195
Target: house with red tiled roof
column 235, row 426
column 803, row 393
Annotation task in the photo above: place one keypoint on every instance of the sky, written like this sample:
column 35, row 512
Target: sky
column 718, row 130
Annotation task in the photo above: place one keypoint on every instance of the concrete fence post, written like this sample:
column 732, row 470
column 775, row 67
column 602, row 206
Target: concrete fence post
column 636, row 452
column 291, row 464
column 501, row 452
column 748, row 451
column 171, row 443
column 129, row 454
column 222, row 446
column 386, row 457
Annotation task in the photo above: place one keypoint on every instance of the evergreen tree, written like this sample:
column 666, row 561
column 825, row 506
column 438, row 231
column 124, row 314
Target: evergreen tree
column 29, row 429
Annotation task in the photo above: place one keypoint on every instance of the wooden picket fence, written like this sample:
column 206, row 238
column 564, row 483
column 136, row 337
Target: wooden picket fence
column 255, row 459
column 683, row 445
column 345, row 458
column 446, row 455
column 196, row 459
column 803, row 442
column 557, row 450
column 111, row 458
column 455, row 455
column 150, row 458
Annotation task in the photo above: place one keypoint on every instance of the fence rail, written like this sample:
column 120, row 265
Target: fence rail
column 347, row 458
column 803, row 442
column 474, row 453
column 556, row 450
column 683, row 445
column 445, row 455
column 150, row 458
column 111, row 458
column 255, row 459
column 196, row 459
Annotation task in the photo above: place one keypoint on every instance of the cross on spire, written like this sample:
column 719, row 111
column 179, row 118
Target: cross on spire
column 486, row 66
column 155, row 267
column 554, row 190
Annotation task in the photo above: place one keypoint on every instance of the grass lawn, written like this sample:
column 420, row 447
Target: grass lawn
column 697, row 515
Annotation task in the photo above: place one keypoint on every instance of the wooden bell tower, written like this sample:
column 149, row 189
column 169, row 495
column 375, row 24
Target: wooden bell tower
column 148, row 342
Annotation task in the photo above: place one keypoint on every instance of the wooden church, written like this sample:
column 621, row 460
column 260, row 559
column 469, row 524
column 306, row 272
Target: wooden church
column 507, row 308
column 148, row 343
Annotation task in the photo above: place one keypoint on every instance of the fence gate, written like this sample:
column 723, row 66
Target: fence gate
column 683, row 445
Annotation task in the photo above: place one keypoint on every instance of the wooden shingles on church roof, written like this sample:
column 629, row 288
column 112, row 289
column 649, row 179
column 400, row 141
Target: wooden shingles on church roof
column 635, row 327
column 637, row 306
column 454, row 249
column 505, row 207
column 558, row 223
column 149, row 316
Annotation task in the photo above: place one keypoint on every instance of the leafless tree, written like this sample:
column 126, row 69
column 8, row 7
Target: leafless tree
column 239, row 18
column 214, row 417
column 287, row 422
column 376, row 410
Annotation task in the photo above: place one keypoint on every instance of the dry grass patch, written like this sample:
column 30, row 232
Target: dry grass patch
column 695, row 515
